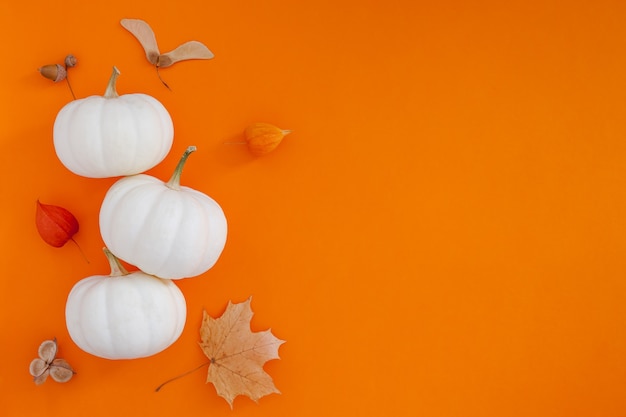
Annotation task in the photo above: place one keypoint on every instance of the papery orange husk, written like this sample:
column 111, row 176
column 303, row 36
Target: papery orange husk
column 56, row 225
column 263, row 138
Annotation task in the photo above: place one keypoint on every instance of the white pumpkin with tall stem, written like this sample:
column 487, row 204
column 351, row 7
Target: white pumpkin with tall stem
column 163, row 228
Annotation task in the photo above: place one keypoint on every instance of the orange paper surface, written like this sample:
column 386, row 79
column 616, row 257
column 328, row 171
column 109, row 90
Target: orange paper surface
column 442, row 234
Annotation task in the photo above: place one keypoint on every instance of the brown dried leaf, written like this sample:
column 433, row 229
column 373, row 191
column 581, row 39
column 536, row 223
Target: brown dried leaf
column 237, row 354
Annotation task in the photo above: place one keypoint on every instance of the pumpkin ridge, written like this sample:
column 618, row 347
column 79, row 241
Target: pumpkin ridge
column 202, row 237
column 115, row 137
column 98, row 158
column 143, row 344
column 116, row 206
column 213, row 241
column 166, row 259
column 139, row 148
column 213, row 222
column 174, row 293
column 76, row 137
column 166, row 125
column 110, row 298
column 59, row 132
column 89, row 305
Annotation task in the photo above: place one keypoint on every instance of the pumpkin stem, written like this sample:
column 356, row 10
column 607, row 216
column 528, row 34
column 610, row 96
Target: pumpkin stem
column 117, row 269
column 174, row 182
column 111, row 92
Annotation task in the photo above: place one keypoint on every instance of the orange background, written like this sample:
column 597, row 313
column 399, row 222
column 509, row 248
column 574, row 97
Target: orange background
column 443, row 233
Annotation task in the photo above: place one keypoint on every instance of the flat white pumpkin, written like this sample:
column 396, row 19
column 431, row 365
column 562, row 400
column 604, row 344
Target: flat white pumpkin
column 164, row 229
column 112, row 135
column 125, row 315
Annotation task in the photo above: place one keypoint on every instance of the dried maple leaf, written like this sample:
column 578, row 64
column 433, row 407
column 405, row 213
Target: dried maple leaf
column 237, row 355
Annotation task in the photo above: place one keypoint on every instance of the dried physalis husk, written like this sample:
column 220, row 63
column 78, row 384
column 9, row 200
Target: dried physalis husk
column 47, row 364
column 56, row 225
column 263, row 138
column 54, row 72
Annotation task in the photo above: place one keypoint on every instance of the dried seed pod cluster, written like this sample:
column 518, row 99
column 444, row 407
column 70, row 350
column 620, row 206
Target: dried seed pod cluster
column 47, row 364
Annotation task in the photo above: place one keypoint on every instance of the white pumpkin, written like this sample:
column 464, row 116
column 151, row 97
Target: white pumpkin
column 112, row 135
column 164, row 229
column 125, row 315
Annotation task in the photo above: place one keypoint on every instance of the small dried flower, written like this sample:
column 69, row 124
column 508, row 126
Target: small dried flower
column 48, row 364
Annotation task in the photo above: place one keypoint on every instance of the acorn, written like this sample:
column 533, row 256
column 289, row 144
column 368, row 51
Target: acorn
column 70, row 61
column 54, row 72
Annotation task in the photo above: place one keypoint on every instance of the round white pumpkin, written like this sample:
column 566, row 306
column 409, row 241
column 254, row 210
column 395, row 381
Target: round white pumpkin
column 112, row 135
column 164, row 229
column 125, row 316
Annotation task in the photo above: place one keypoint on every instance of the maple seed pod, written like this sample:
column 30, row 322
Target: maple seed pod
column 54, row 72
column 263, row 138
column 70, row 61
